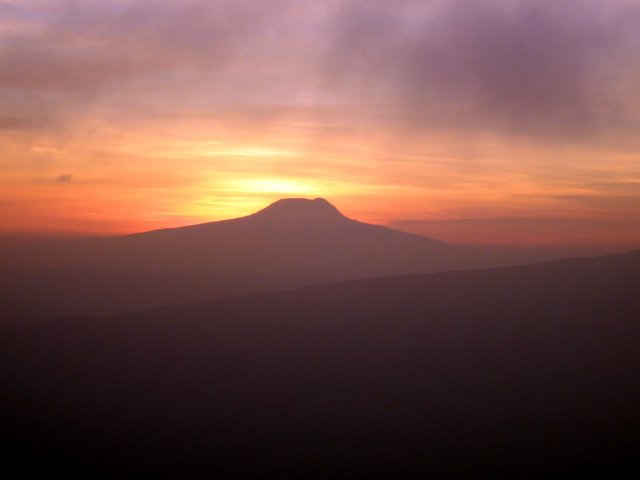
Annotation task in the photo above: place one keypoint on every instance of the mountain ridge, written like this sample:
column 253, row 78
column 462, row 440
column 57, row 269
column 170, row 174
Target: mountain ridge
column 627, row 261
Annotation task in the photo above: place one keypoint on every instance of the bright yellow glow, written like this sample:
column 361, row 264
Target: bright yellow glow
column 272, row 185
column 256, row 152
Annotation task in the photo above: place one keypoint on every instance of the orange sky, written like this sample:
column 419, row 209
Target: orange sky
column 473, row 122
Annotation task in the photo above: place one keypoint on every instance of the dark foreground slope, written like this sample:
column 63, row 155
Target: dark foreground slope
column 521, row 370
column 29, row 295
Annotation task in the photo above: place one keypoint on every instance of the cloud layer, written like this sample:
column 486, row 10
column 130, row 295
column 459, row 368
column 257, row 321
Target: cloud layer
column 528, row 67
column 538, row 68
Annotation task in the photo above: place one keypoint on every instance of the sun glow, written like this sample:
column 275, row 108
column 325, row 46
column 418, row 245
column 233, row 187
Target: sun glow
column 273, row 185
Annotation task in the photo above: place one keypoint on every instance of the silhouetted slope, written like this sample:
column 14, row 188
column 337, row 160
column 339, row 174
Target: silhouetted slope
column 291, row 237
column 290, row 243
column 523, row 370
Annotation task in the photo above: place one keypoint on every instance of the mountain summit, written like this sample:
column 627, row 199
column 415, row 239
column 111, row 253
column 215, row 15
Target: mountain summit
column 300, row 208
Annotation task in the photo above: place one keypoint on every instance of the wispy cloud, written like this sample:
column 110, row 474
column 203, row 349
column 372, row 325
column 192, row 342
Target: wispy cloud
column 67, row 55
column 64, row 178
column 538, row 68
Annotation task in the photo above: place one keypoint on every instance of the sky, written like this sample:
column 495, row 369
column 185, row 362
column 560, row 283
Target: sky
column 470, row 121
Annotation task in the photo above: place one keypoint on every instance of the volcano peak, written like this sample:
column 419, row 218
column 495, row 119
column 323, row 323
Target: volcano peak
column 297, row 208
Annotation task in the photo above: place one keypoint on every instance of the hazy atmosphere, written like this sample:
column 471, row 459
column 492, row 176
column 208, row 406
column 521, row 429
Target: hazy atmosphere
column 320, row 238
column 470, row 121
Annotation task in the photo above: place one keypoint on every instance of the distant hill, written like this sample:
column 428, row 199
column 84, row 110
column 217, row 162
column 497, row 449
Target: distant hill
column 529, row 370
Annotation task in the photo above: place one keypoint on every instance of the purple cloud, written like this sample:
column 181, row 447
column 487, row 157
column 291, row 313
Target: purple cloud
column 541, row 68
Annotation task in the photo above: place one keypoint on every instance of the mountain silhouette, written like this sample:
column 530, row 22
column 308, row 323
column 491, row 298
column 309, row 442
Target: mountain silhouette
column 291, row 237
column 305, row 240
column 499, row 371
column 290, row 243
column 294, row 237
